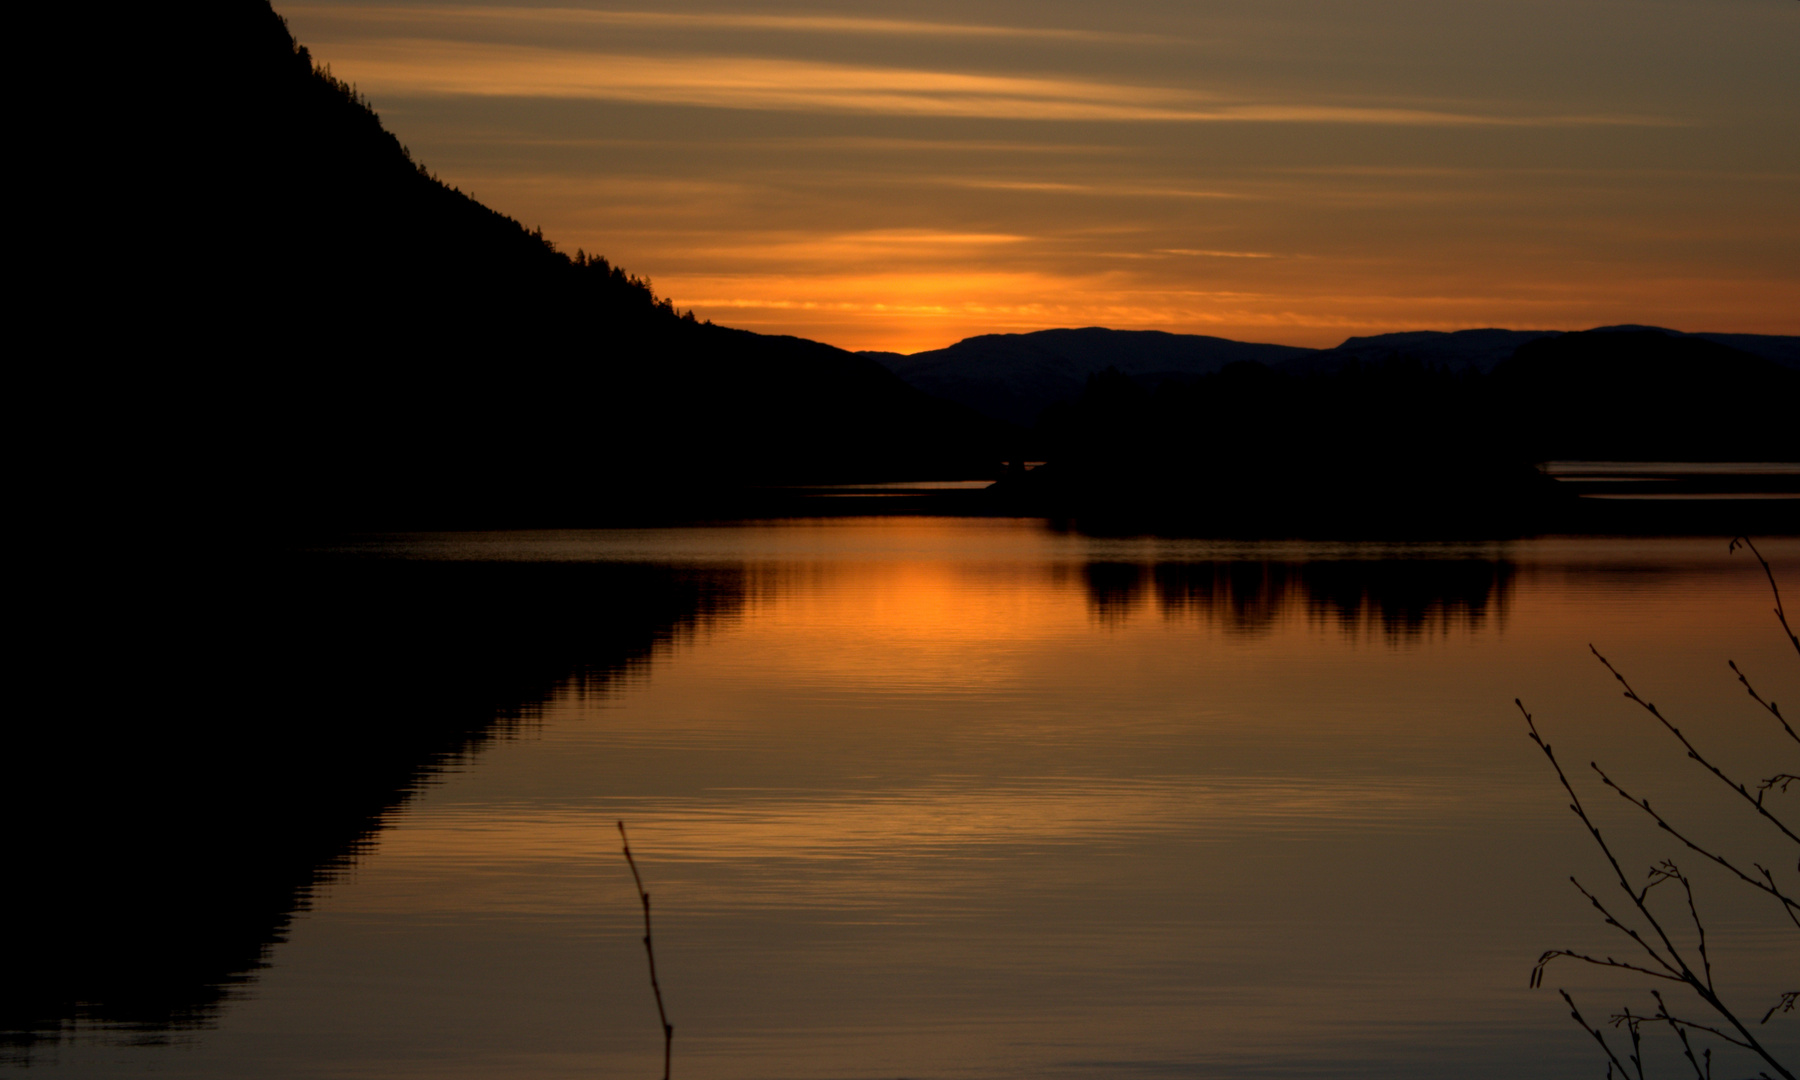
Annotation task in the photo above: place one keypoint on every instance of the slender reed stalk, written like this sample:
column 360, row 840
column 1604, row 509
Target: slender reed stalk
column 650, row 951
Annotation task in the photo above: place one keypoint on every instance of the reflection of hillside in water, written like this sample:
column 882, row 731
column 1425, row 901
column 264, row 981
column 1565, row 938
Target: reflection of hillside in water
column 1402, row 598
column 243, row 750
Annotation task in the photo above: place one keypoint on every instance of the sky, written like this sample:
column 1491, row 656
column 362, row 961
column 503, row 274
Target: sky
column 899, row 176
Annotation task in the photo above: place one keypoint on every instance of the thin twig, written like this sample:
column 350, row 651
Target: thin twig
column 1537, row 972
column 1678, row 969
column 1632, row 1024
column 1612, row 1058
column 1650, row 708
column 1618, row 872
column 1780, row 612
column 1668, row 871
column 1596, row 1033
column 1687, row 1048
column 1662, row 1013
column 1789, row 906
column 649, row 950
column 1774, row 709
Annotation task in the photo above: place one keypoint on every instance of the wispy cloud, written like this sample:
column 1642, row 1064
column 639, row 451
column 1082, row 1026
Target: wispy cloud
column 436, row 67
column 926, row 252
column 1051, row 187
column 1197, row 252
column 512, row 17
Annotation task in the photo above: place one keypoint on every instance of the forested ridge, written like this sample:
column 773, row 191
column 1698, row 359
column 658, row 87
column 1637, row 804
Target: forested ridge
column 314, row 330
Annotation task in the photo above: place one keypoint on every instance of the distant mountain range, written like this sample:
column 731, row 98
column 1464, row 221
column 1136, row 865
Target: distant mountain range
column 1483, row 350
column 1015, row 377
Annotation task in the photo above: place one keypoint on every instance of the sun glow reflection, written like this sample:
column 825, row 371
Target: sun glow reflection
column 946, row 694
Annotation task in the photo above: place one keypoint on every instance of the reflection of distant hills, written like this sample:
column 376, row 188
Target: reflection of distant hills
column 217, row 755
column 1402, row 598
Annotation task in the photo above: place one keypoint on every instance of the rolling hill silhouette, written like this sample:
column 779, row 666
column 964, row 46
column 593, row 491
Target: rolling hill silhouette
column 1014, row 377
column 1484, row 350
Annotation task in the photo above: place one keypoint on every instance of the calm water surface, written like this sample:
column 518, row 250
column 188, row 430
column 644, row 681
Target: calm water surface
column 942, row 798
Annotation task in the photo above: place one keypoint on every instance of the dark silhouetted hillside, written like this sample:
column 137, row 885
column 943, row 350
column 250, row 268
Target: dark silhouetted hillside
column 1408, row 447
column 1484, row 350
column 1648, row 395
column 1459, row 350
column 1782, row 350
column 313, row 329
column 1014, row 377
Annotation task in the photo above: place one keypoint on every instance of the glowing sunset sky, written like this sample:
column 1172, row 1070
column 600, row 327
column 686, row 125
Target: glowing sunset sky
column 898, row 176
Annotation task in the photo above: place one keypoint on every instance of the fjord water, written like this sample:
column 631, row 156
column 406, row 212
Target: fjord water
column 936, row 797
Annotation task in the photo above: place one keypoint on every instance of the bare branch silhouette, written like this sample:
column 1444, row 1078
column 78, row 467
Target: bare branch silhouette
column 1701, row 1072
column 1599, row 1037
column 1537, row 972
column 1673, row 964
column 1669, row 961
column 1767, row 884
column 1774, row 709
column 1780, row 612
column 1669, row 956
column 1632, row 695
column 650, row 950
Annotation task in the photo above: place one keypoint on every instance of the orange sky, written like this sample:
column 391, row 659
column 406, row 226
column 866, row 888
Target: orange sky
column 880, row 175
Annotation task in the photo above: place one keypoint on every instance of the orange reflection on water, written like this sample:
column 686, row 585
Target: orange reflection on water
column 940, row 780
column 881, row 846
